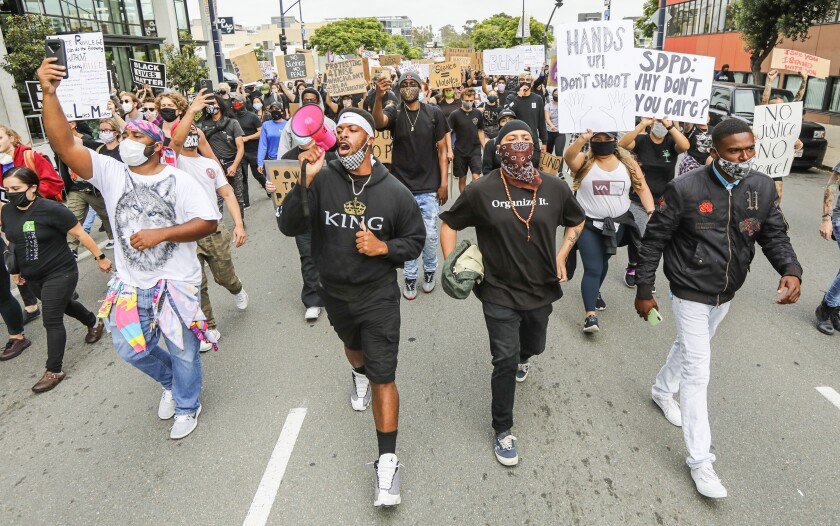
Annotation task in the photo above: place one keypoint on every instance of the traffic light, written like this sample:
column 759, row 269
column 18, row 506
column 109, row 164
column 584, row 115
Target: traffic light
column 283, row 43
column 305, row 44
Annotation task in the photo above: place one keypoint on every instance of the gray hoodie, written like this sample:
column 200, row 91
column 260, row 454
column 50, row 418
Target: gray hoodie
column 287, row 141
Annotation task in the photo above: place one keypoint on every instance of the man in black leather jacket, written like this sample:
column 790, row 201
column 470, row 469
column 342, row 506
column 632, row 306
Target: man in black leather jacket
column 707, row 228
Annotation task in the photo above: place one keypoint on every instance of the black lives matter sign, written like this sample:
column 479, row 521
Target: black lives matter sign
column 151, row 73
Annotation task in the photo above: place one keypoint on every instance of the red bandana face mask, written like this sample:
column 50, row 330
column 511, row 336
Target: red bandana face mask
column 516, row 160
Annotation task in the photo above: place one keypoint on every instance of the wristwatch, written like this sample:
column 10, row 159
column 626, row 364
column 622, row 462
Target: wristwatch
column 671, row 127
column 100, row 256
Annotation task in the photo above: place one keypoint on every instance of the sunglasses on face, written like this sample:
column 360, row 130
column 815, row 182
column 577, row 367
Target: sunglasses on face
column 127, row 102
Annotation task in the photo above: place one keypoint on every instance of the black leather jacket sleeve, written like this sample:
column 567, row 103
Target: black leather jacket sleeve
column 660, row 229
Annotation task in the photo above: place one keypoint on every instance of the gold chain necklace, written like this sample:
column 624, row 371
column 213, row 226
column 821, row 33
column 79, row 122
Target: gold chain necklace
column 510, row 200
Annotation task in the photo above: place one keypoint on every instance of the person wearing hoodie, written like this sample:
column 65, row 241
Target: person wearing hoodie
column 307, row 96
column 364, row 224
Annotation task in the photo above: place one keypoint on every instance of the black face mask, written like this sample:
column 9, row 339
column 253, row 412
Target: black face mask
column 603, row 149
column 276, row 115
column 168, row 114
column 526, row 85
column 18, row 198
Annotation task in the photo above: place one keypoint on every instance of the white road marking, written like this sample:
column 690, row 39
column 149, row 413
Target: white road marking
column 273, row 475
column 832, row 395
column 84, row 255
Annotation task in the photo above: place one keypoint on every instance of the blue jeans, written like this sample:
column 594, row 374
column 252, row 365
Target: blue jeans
column 832, row 295
column 91, row 217
column 429, row 209
column 179, row 370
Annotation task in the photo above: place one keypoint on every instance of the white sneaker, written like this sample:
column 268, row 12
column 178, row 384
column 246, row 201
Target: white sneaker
column 670, row 408
column 184, row 425
column 109, row 245
column 207, row 346
column 241, row 300
column 387, row 490
column 707, row 482
column 166, row 407
column 360, row 395
column 312, row 313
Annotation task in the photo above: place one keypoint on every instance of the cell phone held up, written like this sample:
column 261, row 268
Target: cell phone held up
column 54, row 47
column 205, row 84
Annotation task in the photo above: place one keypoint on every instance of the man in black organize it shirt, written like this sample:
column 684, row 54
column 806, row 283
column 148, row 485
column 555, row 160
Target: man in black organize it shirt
column 419, row 158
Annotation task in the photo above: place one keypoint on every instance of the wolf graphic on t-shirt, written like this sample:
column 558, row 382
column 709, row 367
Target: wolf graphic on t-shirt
column 143, row 207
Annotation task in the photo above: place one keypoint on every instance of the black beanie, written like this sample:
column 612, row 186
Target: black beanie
column 515, row 125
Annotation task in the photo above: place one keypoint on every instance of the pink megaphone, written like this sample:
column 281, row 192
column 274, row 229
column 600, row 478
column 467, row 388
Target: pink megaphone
column 308, row 121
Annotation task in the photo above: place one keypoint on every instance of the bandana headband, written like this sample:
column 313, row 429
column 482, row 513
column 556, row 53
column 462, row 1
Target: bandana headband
column 349, row 117
column 147, row 128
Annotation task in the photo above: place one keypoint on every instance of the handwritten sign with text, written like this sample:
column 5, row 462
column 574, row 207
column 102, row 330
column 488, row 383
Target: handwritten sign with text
column 383, row 146
column 550, row 164
column 294, row 67
column 596, row 76
column 800, row 63
column 347, row 77
column 284, row 174
column 444, row 75
column 776, row 128
column 674, row 85
column 84, row 93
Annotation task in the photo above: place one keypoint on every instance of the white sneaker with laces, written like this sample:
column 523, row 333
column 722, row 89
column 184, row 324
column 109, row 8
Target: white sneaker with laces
column 312, row 313
column 241, row 300
column 670, row 408
column 109, row 245
column 184, row 425
column 166, row 407
column 707, row 482
column 387, row 490
column 207, row 346
column 360, row 395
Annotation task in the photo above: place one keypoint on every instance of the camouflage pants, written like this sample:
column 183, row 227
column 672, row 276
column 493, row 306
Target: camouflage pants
column 78, row 203
column 237, row 182
column 214, row 250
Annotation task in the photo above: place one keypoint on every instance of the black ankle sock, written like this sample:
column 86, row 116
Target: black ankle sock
column 359, row 370
column 387, row 442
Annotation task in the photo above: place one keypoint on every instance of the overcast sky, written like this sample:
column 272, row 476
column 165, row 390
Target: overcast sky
column 435, row 12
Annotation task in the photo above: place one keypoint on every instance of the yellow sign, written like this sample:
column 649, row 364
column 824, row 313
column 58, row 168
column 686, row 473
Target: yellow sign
column 444, row 75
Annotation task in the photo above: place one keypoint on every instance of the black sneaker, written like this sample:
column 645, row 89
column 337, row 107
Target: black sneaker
column 410, row 290
column 630, row 276
column 835, row 318
column 428, row 282
column 591, row 324
column 824, row 322
column 29, row 316
column 600, row 304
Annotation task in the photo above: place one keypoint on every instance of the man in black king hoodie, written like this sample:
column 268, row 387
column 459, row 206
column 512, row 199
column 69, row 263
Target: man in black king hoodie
column 364, row 224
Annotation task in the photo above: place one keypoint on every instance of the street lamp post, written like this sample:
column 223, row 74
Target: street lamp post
column 557, row 3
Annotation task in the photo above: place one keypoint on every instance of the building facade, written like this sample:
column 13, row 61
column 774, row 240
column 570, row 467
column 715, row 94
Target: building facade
column 707, row 27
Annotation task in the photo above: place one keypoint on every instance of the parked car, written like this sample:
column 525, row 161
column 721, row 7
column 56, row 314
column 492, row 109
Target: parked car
column 738, row 101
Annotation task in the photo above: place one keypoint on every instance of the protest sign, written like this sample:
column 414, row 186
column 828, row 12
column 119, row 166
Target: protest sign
column 265, row 67
column 552, row 72
column 444, row 75
column 533, row 57
column 389, row 60
column 284, row 174
column 550, row 164
column 776, row 128
column 513, row 61
column 293, row 107
column 416, row 66
column 800, row 63
column 596, row 76
column 84, row 93
column 245, row 65
column 383, row 146
column 347, row 77
column 375, row 73
column 294, row 67
column 36, row 94
column 151, row 73
column 674, row 85
column 476, row 61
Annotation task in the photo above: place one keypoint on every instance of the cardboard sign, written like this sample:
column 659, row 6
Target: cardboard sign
column 800, row 63
column 383, row 146
column 36, row 94
column 776, row 128
column 245, row 65
column 513, row 61
column 285, row 175
column 376, row 72
column 390, row 60
column 674, row 85
column 550, row 164
column 476, row 61
column 294, row 67
column 84, row 94
column 265, row 67
column 151, row 73
column 596, row 76
column 552, row 72
column 444, row 75
column 347, row 77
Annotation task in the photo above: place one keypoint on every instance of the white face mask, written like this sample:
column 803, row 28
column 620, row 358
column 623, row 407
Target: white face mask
column 133, row 153
column 127, row 107
column 151, row 115
column 107, row 136
column 658, row 130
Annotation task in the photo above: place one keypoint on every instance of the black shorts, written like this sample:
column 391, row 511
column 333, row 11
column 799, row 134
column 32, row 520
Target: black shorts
column 462, row 162
column 370, row 324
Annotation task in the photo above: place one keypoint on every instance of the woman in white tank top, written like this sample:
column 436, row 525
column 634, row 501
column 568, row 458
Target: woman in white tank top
column 603, row 180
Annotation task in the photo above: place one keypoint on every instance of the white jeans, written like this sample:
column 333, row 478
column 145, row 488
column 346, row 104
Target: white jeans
column 686, row 371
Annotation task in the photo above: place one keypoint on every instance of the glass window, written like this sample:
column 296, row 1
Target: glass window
column 835, row 94
column 720, row 99
column 746, row 100
column 815, row 94
column 132, row 13
column 146, row 9
column 721, row 23
column 53, row 7
column 792, row 83
column 181, row 15
column 729, row 23
column 87, row 13
column 32, row 6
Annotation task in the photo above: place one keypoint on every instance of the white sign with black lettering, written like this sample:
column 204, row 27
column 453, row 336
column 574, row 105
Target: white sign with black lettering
column 84, row 94
column 674, row 85
column 36, row 94
column 776, row 128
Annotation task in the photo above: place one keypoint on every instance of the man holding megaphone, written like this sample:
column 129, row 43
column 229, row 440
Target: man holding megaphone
column 365, row 224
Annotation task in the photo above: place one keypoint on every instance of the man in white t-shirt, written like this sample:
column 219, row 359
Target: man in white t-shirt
column 156, row 220
column 214, row 250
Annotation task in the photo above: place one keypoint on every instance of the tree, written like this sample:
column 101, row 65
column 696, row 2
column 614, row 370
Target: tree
column 469, row 25
column 258, row 51
column 765, row 23
column 421, row 35
column 499, row 31
column 24, row 35
column 346, row 36
column 183, row 68
column 643, row 22
column 398, row 45
column 452, row 38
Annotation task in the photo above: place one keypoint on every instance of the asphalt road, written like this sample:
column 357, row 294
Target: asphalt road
column 593, row 448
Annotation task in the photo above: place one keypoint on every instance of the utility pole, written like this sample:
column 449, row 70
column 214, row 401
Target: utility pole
column 282, row 29
column 522, row 22
column 217, row 45
column 557, row 3
column 660, row 31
